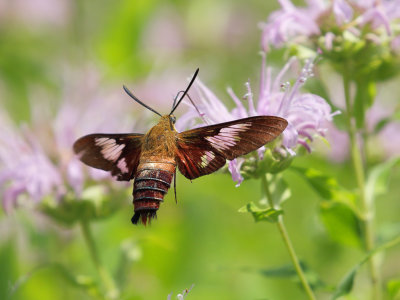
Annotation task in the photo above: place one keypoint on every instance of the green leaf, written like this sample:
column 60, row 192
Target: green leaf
column 322, row 184
column 385, row 121
column 260, row 214
column 381, row 124
column 279, row 189
column 341, row 223
column 95, row 203
column 273, row 162
column 346, row 284
column 327, row 186
column 393, row 288
column 377, row 180
column 338, row 211
column 288, row 271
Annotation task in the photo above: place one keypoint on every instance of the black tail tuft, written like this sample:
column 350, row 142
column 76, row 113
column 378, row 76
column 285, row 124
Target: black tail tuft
column 144, row 216
column 135, row 218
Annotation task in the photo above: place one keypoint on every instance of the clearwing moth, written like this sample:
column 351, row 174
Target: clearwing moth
column 151, row 159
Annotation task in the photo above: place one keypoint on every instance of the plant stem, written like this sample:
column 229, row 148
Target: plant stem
column 108, row 282
column 288, row 242
column 367, row 209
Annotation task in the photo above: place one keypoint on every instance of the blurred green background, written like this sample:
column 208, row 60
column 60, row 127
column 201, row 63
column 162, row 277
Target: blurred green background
column 202, row 240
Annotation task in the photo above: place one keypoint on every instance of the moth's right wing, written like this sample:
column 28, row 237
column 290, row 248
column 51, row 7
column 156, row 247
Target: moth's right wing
column 204, row 150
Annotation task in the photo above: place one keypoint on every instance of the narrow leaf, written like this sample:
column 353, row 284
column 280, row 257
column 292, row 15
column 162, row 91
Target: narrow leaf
column 288, row 271
column 346, row 284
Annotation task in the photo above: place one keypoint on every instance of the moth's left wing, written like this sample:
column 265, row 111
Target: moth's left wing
column 118, row 153
column 204, row 150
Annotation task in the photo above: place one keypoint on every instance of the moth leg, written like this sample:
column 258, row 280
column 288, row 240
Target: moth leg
column 176, row 201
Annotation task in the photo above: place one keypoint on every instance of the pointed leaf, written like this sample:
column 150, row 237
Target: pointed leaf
column 346, row 284
column 341, row 223
column 393, row 288
column 259, row 214
column 378, row 179
column 279, row 189
column 288, row 271
column 326, row 186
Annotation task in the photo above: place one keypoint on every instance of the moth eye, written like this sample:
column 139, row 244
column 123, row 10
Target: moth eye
column 173, row 119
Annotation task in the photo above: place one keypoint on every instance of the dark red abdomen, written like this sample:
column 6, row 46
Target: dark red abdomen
column 152, row 181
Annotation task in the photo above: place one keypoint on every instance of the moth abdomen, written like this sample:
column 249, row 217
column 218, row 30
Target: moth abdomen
column 152, row 182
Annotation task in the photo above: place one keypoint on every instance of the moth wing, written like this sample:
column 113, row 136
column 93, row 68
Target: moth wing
column 118, row 153
column 204, row 150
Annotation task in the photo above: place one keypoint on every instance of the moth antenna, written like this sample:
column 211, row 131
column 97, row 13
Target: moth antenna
column 198, row 110
column 138, row 101
column 187, row 89
column 176, row 97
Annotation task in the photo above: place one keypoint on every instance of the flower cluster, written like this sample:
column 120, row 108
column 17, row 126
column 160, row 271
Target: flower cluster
column 330, row 19
column 307, row 114
column 38, row 160
column 24, row 168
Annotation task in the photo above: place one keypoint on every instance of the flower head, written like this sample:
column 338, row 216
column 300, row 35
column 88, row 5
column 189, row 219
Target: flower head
column 301, row 24
column 24, row 168
column 37, row 160
column 306, row 114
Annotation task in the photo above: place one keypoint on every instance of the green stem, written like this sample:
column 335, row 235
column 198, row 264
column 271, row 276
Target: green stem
column 288, row 242
column 109, row 284
column 367, row 209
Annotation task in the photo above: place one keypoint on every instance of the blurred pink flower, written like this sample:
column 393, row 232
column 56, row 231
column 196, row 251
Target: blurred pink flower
column 290, row 22
column 39, row 161
column 386, row 142
column 307, row 114
column 36, row 12
column 24, row 168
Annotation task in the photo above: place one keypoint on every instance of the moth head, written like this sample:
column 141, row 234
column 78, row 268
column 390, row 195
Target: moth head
column 172, row 119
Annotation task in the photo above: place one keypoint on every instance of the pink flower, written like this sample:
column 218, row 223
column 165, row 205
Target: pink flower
column 37, row 12
column 37, row 160
column 24, row 168
column 307, row 114
column 292, row 24
column 289, row 22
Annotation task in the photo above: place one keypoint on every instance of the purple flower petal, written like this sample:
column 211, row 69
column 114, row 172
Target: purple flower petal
column 342, row 11
column 234, row 168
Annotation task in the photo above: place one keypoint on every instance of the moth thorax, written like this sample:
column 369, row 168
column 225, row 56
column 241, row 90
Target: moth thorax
column 152, row 181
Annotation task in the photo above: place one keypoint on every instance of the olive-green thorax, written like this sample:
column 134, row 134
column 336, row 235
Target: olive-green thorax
column 160, row 140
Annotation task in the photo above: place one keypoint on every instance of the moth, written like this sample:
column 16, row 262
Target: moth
column 151, row 159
